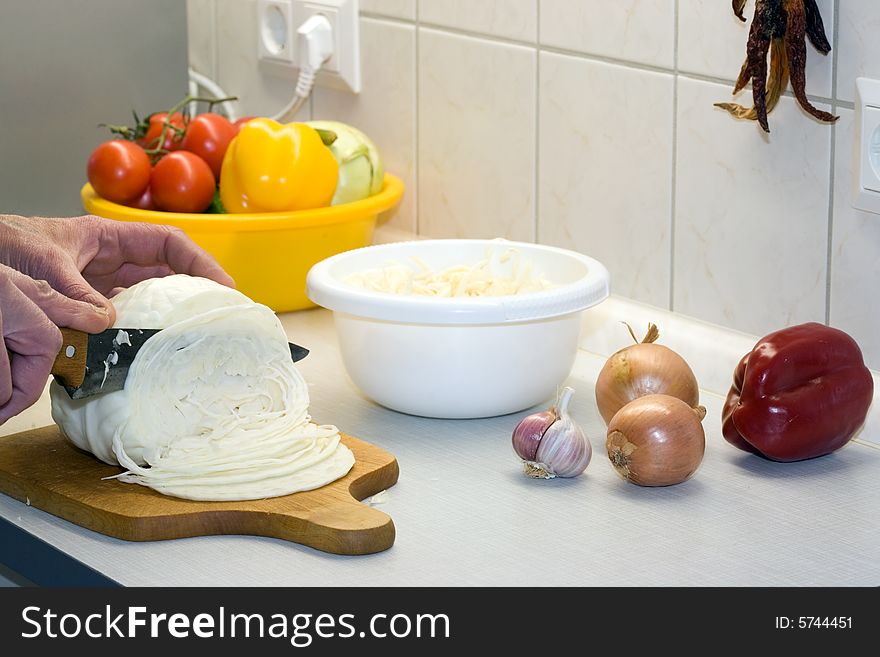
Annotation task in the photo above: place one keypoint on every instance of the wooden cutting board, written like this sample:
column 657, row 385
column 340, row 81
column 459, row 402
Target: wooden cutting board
column 41, row 468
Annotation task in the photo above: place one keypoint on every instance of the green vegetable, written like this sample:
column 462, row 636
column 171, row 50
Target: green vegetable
column 361, row 170
column 216, row 206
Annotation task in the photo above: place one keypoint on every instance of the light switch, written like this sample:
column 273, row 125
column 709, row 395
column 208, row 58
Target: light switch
column 866, row 148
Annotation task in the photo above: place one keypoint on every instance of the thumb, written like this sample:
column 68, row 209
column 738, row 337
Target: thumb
column 60, row 309
column 70, row 283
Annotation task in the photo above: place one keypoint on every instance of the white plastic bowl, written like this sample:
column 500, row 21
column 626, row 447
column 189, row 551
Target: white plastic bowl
column 458, row 357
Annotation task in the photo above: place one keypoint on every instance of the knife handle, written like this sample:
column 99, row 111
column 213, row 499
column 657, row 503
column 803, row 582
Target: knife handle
column 70, row 363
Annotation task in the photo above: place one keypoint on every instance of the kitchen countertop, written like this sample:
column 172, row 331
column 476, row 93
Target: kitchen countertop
column 466, row 515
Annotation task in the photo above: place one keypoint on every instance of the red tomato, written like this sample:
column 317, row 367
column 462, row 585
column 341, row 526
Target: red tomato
column 237, row 125
column 182, row 182
column 144, row 202
column 154, row 131
column 208, row 135
column 119, row 170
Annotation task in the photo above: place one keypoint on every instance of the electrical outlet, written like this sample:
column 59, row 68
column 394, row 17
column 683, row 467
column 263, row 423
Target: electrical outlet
column 866, row 150
column 343, row 69
column 278, row 21
column 276, row 31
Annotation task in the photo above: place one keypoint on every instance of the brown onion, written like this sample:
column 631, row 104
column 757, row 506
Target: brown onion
column 644, row 368
column 656, row 440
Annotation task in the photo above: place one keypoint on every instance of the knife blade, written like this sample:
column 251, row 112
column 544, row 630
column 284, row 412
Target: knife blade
column 93, row 363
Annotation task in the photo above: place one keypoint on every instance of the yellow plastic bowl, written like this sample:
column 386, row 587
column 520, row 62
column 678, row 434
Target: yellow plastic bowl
column 269, row 253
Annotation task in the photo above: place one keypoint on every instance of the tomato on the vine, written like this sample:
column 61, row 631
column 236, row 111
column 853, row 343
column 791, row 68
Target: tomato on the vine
column 156, row 124
column 119, row 170
column 144, row 201
column 182, row 182
column 240, row 122
column 208, row 135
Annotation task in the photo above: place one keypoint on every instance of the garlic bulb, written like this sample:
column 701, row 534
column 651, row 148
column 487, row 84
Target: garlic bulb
column 551, row 444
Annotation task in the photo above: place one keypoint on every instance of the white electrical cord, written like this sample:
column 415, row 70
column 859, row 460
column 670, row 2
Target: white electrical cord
column 315, row 48
column 197, row 80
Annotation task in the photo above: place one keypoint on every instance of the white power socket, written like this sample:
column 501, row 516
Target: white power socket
column 276, row 32
column 278, row 21
column 866, row 149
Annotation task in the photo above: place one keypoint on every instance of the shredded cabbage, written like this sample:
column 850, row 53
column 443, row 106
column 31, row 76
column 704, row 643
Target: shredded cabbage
column 482, row 279
column 213, row 407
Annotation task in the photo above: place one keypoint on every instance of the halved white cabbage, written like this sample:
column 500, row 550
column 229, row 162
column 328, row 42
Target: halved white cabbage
column 213, row 407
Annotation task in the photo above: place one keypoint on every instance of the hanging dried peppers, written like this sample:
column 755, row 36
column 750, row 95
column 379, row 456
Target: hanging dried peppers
column 782, row 28
column 815, row 27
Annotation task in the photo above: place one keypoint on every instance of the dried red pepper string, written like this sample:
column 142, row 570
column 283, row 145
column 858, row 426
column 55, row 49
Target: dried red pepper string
column 795, row 42
column 759, row 44
column 816, row 28
column 776, row 83
column 782, row 27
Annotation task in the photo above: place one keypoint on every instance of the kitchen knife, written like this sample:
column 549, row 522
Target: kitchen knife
column 92, row 363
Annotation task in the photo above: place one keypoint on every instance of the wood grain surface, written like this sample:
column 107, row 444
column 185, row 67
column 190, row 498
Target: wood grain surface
column 72, row 368
column 41, row 468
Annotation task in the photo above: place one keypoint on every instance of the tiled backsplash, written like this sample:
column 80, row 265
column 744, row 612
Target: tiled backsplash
column 589, row 124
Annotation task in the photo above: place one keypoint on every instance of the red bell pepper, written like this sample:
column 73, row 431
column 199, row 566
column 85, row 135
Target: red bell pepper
column 801, row 392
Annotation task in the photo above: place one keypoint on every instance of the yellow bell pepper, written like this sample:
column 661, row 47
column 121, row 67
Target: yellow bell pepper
column 274, row 167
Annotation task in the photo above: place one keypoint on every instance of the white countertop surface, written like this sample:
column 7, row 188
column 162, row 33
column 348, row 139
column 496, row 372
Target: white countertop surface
column 466, row 515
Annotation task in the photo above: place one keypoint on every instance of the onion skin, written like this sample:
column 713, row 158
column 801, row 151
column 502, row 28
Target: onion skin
column 644, row 369
column 656, row 440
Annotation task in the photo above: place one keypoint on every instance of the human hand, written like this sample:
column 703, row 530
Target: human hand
column 89, row 258
column 30, row 313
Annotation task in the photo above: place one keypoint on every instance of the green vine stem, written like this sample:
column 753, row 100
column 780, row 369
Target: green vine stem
column 138, row 131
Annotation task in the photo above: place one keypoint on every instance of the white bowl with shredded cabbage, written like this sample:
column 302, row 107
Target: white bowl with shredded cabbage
column 458, row 328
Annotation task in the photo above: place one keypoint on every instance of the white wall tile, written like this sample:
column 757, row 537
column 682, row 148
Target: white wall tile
column 634, row 30
column 860, row 45
column 395, row 8
column 263, row 88
column 514, row 19
column 712, row 41
column 751, row 215
column 476, row 137
column 385, row 108
column 605, row 177
column 855, row 255
column 751, row 226
column 201, row 30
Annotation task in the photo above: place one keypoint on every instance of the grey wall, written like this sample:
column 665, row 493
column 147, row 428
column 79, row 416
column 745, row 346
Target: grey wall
column 67, row 66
